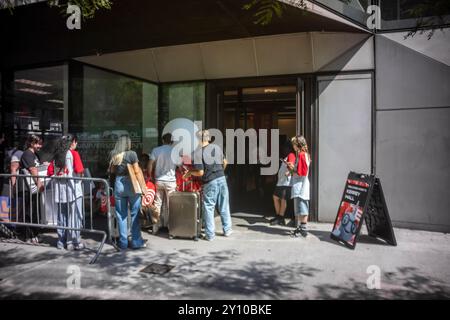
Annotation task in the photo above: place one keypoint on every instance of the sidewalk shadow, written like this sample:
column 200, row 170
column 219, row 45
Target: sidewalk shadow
column 14, row 257
column 250, row 218
column 362, row 238
column 224, row 275
column 215, row 271
column 410, row 284
column 268, row 229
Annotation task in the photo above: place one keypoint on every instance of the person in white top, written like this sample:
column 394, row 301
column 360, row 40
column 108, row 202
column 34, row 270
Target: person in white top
column 163, row 164
column 282, row 192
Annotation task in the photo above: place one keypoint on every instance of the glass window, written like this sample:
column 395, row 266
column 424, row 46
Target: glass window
column 399, row 14
column 107, row 105
column 183, row 100
column 355, row 10
column 35, row 104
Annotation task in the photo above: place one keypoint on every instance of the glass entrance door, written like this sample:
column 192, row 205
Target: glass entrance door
column 257, row 108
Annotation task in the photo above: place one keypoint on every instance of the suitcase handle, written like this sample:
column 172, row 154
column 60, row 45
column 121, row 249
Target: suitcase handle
column 184, row 185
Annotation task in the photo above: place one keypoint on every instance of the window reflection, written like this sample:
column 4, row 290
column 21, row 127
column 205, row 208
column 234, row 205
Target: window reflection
column 110, row 105
column 183, row 100
column 397, row 14
column 38, row 106
column 355, row 10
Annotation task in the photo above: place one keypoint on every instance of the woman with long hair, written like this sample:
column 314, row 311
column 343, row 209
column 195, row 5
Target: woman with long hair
column 124, row 195
column 298, row 163
column 68, row 192
column 282, row 192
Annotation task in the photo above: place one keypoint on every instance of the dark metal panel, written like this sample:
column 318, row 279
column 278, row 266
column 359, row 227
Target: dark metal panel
column 38, row 33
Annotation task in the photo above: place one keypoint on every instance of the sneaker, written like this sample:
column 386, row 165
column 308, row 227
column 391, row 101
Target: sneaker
column 207, row 238
column 274, row 221
column 35, row 240
column 59, row 245
column 228, row 233
column 282, row 221
column 300, row 232
column 155, row 229
column 303, row 233
column 79, row 246
column 144, row 245
column 70, row 247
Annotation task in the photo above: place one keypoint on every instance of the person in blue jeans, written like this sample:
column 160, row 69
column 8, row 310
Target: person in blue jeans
column 210, row 163
column 124, row 194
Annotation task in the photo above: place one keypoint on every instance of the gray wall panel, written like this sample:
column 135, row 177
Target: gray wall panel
column 413, row 162
column 409, row 79
column 345, row 104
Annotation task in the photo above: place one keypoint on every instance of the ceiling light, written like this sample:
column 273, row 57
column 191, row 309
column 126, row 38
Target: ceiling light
column 34, row 91
column 33, row 83
column 55, row 101
column 270, row 90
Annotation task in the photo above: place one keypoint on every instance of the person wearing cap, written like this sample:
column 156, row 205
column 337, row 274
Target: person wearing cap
column 210, row 164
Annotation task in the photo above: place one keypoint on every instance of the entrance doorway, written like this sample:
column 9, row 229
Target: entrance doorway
column 257, row 107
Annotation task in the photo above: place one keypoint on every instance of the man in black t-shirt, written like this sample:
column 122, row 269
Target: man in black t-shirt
column 29, row 162
column 210, row 163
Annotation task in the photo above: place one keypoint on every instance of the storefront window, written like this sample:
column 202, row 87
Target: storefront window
column 183, row 100
column 399, row 14
column 35, row 105
column 106, row 106
column 353, row 9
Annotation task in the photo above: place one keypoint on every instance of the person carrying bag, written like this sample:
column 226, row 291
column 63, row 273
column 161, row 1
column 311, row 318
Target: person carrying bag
column 129, row 187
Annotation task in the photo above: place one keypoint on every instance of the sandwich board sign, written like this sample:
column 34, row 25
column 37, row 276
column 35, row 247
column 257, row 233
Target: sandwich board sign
column 362, row 201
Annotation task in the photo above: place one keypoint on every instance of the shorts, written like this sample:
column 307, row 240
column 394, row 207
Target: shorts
column 282, row 192
column 301, row 207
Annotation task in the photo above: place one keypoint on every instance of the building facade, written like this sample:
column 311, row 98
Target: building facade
column 367, row 100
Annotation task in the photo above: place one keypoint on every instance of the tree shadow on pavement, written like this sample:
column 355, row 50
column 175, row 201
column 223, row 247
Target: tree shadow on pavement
column 405, row 284
column 14, row 256
column 362, row 238
column 214, row 275
column 226, row 274
column 217, row 271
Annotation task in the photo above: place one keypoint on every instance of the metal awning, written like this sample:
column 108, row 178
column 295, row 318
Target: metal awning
column 38, row 33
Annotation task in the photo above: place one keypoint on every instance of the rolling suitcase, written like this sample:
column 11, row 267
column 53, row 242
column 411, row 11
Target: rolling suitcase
column 185, row 215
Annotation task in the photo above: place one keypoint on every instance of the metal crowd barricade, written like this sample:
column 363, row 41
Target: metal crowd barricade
column 24, row 205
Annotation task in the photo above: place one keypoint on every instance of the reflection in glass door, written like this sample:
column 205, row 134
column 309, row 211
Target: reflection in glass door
column 257, row 108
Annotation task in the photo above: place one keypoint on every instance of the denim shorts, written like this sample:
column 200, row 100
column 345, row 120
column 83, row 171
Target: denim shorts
column 301, row 207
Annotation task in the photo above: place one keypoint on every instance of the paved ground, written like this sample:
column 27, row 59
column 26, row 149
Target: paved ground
column 257, row 262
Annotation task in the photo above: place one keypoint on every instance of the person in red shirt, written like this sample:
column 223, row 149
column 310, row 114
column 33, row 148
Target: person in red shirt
column 298, row 163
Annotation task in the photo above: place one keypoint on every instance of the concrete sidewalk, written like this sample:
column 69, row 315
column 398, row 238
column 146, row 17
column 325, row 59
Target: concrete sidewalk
column 257, row 262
